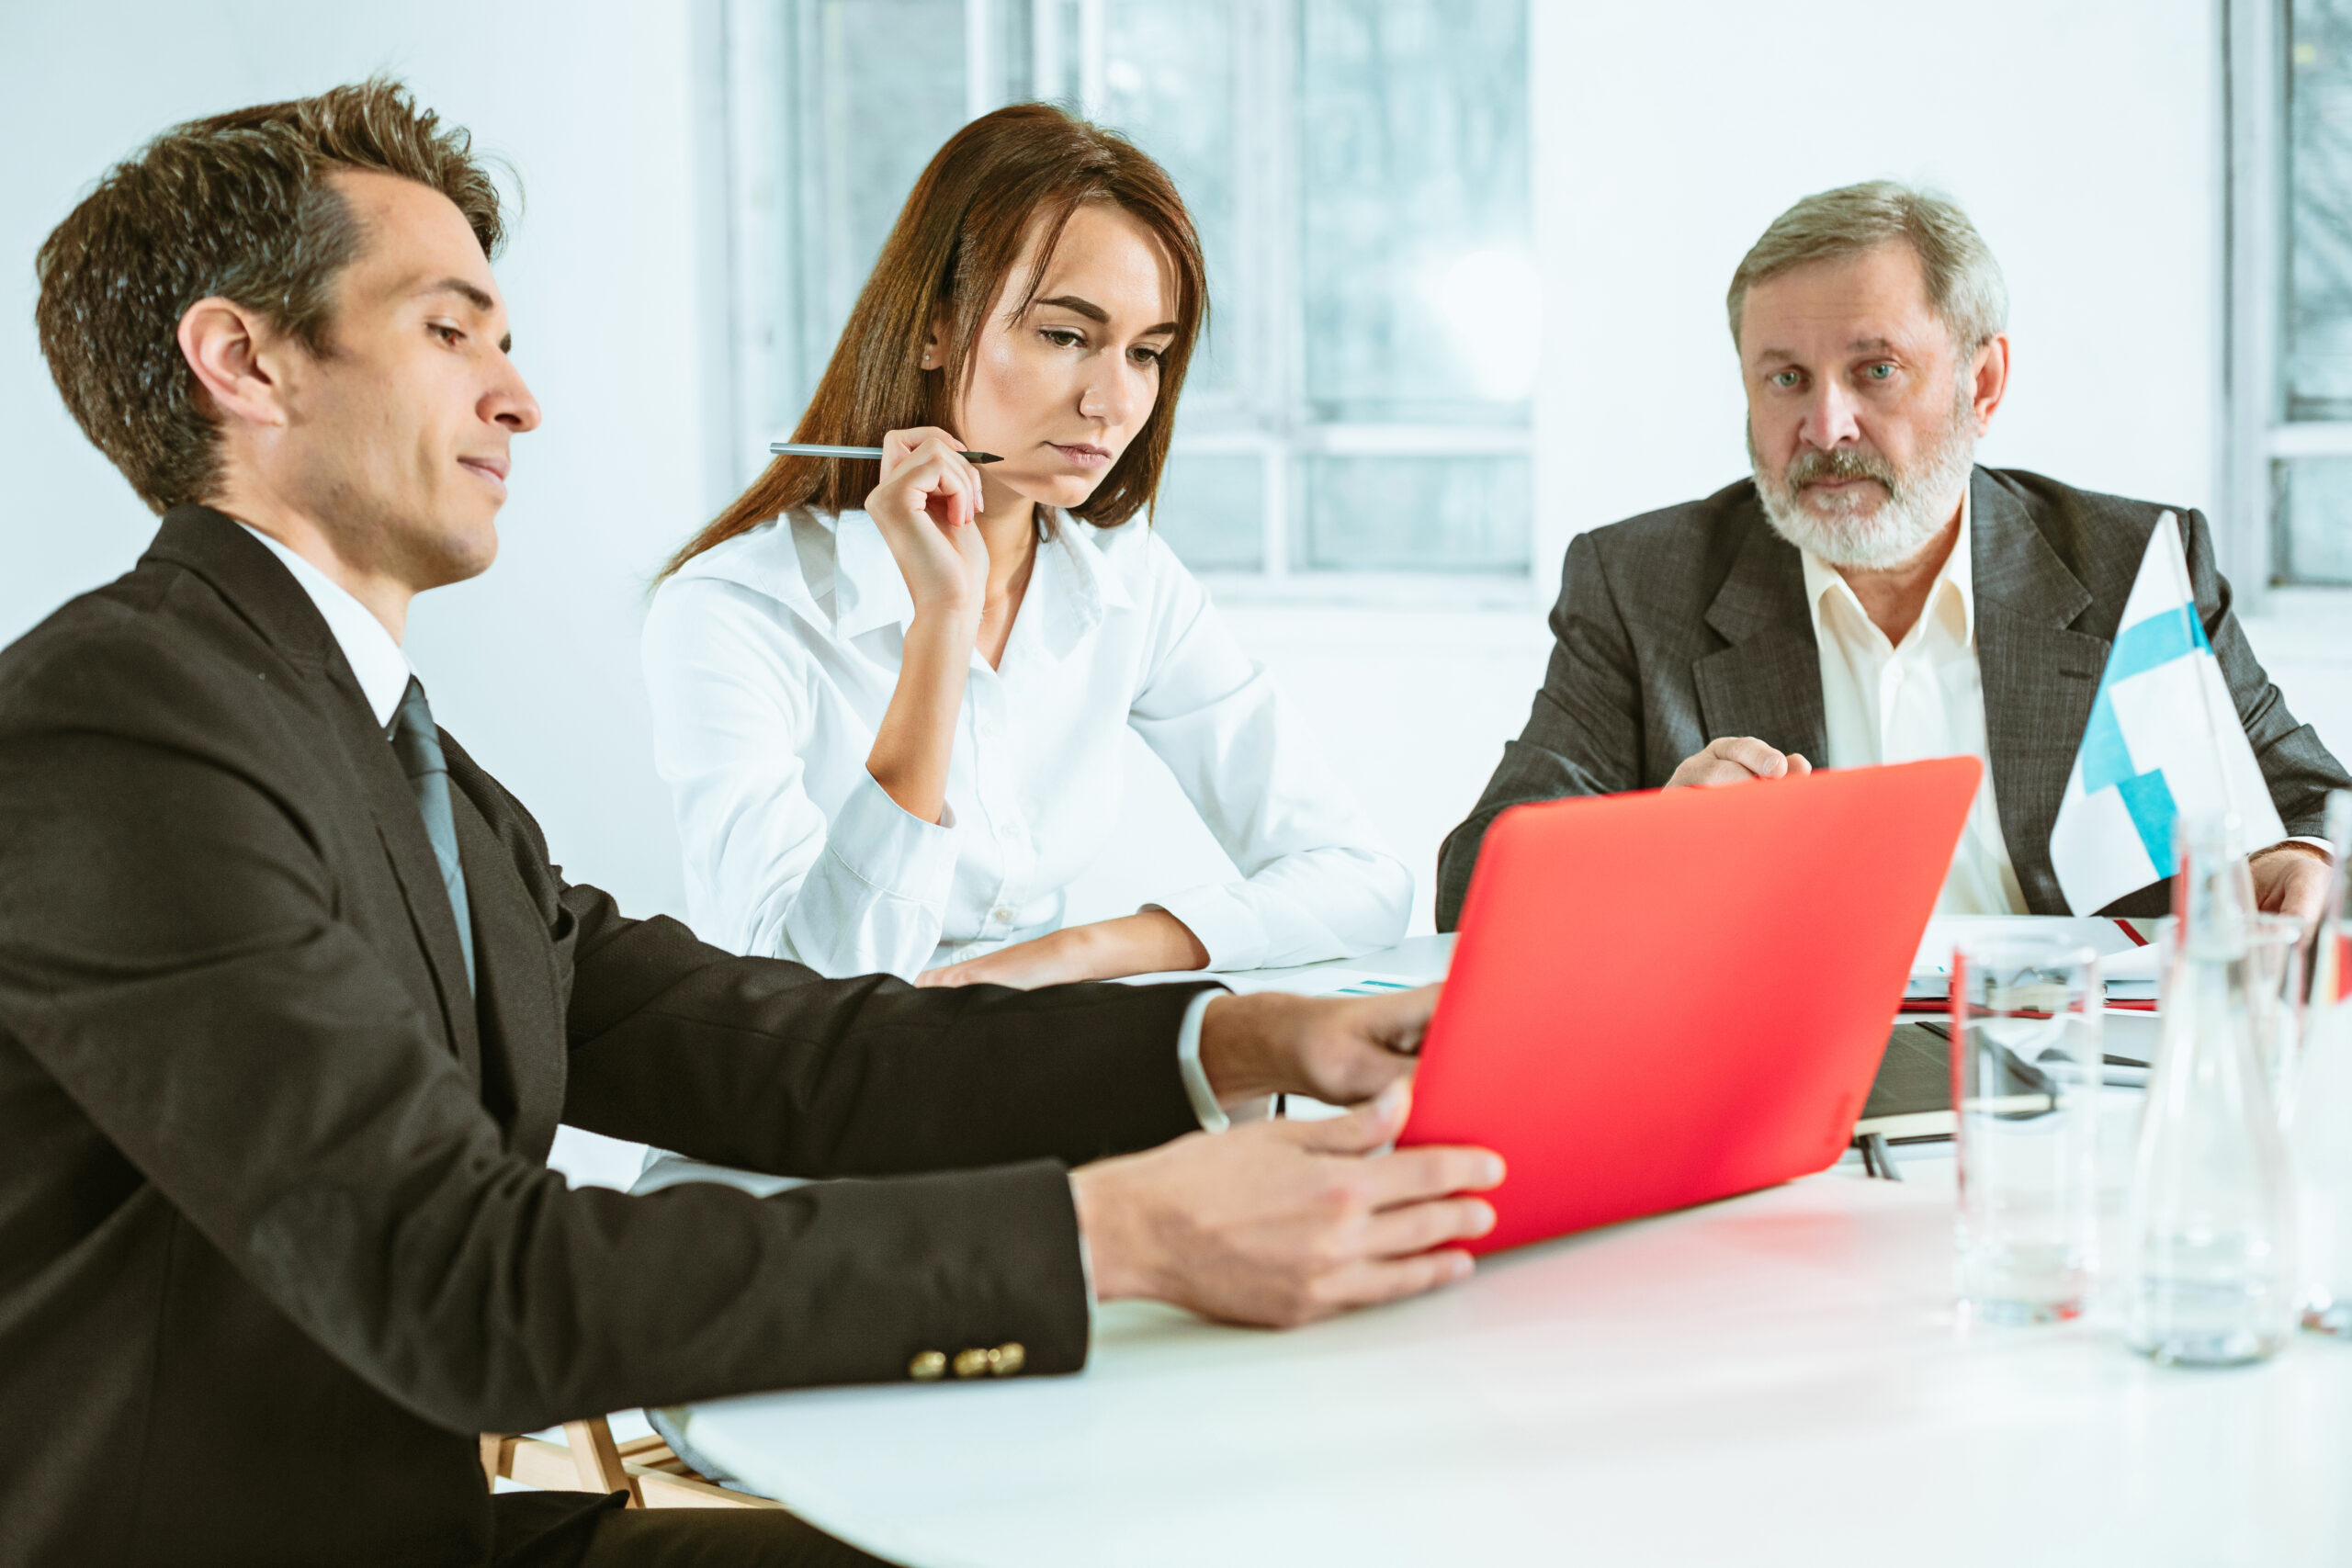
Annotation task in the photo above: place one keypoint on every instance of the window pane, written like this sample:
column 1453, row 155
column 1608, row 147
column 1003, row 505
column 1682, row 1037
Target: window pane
column 2315, row 520
column 2318, row 137
column 880, row 86
column 1413, row 193
column 1416, row 514
column 1167, row 83
column 1212, row 509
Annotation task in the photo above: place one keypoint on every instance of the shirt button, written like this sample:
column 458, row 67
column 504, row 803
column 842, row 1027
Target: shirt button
column 1001, row 915
column 927, row 1367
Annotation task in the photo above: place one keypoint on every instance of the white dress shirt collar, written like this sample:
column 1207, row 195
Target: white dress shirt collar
column 1952, row 597
column 381, row 667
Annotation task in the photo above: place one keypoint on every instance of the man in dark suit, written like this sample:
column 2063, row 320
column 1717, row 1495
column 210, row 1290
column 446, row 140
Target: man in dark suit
column 1871, row 595
column 291, row 999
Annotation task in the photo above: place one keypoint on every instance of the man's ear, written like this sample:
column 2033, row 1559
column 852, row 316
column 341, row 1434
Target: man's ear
column 1992, row 379
column 230, row 350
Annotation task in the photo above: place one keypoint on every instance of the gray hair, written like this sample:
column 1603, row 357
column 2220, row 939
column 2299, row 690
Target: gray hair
column 1963, row 280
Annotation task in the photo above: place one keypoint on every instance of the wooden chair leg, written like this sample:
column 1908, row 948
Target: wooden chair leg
column 599, row 1459
column 588, row 1459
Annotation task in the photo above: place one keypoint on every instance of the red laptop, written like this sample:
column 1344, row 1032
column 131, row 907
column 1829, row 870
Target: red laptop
column 1662, row 999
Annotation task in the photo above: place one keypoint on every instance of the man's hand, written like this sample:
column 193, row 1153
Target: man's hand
column 2291, row 879
column 1340, row 1050
column 1281, row 1223
column 1736, row 759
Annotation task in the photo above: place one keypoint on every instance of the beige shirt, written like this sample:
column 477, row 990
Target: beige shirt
column 1922, row 697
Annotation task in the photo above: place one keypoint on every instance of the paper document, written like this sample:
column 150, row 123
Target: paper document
column 1307, row 981
column 2128, row 967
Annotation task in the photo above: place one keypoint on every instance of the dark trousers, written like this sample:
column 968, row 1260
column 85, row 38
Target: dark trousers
column 552, row 1529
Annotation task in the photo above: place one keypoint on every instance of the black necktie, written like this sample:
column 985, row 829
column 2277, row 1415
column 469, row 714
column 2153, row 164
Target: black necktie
column 418, row 746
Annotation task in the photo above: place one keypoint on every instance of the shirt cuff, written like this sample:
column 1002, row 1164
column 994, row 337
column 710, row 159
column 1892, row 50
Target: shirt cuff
column 888, row 848
column 1224, row 920
column 1212, row 1115
column 1085, row 1270
column 2322, row 845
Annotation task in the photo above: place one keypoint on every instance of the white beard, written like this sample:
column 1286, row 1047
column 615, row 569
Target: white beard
column 1839, row 530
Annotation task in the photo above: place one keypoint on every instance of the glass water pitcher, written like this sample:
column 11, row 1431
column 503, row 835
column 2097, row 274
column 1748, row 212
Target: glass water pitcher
column 2209, row 1273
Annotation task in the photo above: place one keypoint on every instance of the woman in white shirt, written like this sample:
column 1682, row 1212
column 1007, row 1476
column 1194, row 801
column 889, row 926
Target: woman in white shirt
column 892, row 729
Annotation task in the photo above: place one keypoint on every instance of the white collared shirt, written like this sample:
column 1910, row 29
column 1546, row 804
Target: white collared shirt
column 367, row 646
column 1922, row 697
column 771, row 659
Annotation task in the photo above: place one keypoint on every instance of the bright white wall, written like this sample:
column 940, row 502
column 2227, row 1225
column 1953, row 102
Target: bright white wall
column 535, row 665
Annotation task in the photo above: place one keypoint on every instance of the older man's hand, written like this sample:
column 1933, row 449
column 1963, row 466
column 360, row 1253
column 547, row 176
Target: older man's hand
column 2291, row 879
column 1734, row 759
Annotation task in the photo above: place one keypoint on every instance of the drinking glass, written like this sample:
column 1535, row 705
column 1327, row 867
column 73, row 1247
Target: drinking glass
column 2025, row 1065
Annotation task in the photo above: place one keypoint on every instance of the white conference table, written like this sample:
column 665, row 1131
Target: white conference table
column 1772, row 1379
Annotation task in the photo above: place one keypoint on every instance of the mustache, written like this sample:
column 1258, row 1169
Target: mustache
column 1807, row 466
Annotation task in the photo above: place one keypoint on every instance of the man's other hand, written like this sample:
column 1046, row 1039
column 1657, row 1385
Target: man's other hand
column 1736, row 759
column 1282, row 1222
column 1340, row 1050
column 2291, row 879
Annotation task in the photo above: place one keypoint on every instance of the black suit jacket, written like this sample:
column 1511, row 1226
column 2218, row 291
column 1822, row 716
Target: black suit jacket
column 1690, row 624
column 276, row 1232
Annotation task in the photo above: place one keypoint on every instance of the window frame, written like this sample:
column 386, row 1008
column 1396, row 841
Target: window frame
column 2260, row 440
column 1265, row 414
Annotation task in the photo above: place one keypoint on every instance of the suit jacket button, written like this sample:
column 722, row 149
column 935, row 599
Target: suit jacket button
column 926, row 1367
column 1007, row 1360
column 971, row 1363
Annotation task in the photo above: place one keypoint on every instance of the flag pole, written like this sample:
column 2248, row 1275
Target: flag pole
column 2176, row 561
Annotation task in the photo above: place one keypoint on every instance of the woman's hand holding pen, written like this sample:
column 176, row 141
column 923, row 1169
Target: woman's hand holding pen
column 926, row 507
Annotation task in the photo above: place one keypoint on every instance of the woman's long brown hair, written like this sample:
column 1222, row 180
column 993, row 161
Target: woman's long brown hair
column 948, row 255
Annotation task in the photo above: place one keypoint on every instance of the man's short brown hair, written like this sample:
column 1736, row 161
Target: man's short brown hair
column 237, row 206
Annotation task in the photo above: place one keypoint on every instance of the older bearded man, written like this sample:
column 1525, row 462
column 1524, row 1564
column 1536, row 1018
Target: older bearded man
column 1871, row 595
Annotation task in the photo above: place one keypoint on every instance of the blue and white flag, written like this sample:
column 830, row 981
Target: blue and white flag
column 2163, row 743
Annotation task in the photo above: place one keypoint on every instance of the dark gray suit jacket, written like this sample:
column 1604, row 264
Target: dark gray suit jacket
column 278, row 1235
column 1690, row 624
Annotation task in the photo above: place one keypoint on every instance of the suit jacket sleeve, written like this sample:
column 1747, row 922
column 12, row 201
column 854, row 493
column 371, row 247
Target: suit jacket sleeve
column 1584, row 734
column 2299, row 770
column 171, row 955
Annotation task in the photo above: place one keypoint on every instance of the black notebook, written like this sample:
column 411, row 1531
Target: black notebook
column 1911, row 1098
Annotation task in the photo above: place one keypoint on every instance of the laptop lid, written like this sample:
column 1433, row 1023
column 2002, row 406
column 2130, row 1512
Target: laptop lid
column 1661, row 998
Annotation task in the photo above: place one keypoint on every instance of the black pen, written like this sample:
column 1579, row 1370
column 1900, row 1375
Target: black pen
column 818, row 449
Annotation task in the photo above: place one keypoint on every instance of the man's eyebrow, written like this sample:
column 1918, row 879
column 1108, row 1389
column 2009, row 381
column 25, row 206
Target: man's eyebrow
column 464, row 290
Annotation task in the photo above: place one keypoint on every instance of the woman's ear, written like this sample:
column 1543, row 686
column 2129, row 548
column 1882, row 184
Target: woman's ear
column 933, row 357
